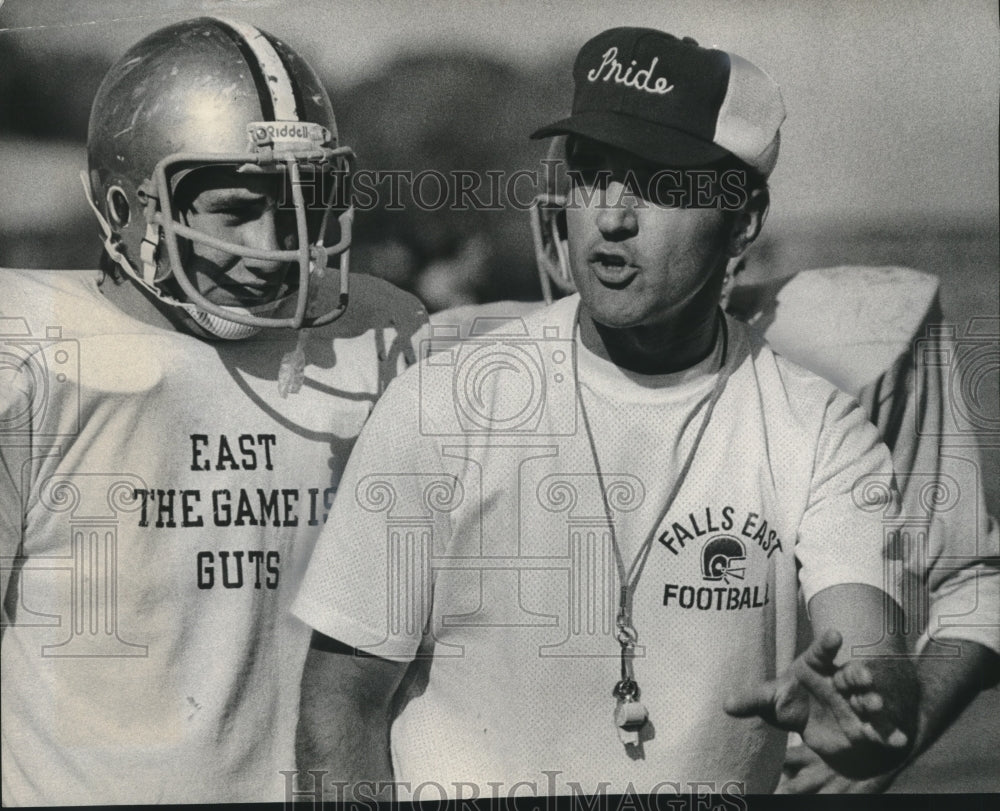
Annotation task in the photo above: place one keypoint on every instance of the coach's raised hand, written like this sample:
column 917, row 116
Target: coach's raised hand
column 859, row 716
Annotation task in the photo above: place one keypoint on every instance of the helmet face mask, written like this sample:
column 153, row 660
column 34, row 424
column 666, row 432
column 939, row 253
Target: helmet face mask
column 331, row 170
column 215, row 93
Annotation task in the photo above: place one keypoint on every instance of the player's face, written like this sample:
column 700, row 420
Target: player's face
column 242, row 209
column 639, row 258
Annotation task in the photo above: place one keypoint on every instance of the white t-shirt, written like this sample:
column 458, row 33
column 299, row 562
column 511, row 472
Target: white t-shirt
column 158, row 501
column 469, row 535
column 878, row 333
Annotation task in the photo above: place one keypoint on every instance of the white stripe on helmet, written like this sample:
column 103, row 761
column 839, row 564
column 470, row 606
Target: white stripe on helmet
column 278, row 80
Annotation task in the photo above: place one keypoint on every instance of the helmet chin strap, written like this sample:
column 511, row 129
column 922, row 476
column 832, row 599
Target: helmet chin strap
column 221, row 328
column 232, row 330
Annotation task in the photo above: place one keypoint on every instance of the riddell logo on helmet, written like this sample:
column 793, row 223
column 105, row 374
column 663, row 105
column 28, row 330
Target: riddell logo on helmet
column 262, row 132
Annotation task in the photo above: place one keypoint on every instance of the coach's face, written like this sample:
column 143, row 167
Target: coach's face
column 640, row 253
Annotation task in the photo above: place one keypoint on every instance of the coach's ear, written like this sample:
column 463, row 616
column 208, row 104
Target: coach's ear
column 748, row 221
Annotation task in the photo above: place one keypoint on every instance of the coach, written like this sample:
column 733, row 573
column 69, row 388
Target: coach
column 568, row 554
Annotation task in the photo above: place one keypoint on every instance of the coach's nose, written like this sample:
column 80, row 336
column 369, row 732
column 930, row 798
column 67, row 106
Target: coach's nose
column 616, row 218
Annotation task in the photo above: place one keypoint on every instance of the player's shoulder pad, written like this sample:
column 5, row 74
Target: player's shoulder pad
column 47, row 298
column 848, row 324
column 33, row 281
column 480, row 319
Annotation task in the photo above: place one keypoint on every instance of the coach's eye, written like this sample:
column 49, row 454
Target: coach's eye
column 662, row 187
column 586, row 161
column 589, row 168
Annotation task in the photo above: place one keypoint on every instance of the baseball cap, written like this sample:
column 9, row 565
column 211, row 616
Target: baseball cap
column 672, row 102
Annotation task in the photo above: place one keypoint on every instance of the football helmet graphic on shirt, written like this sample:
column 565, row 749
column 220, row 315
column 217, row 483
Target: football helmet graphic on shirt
column 719, row 557
column 211, row 92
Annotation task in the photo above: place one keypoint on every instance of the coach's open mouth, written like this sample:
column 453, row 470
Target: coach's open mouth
column 612, row 268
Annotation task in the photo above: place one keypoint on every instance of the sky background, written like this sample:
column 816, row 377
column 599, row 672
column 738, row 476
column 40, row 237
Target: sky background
column 892, row 105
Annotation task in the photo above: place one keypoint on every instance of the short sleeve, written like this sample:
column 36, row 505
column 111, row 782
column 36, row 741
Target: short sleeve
column 947, row 543
column 15, row 453
column 852, row 501
column 955, row 543
column 368, row 584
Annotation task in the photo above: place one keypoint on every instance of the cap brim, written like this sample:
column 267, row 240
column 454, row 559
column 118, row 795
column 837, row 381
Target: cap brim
column 652, row 142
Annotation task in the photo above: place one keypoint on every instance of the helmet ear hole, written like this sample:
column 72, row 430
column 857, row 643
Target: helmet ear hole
column 119, row 211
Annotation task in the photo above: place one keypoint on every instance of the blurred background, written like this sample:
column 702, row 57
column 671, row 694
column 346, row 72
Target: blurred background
column 889, row 152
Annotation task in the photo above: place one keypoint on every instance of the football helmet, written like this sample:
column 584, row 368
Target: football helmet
column 211, row 92
column 548, row 224
column 719, row 556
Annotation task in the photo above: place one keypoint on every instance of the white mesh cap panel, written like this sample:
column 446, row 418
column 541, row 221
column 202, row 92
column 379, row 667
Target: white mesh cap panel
column 750, row 115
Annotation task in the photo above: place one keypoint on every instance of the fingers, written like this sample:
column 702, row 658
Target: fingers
column 866, row 704
column 808, row 780
column 854, row 677
column 872, row 725
column 798, row 756
column 854, row 681
column 803, row 772
column 881, row 730
column 753, row 700
column 821, row 653
column 835, row 707
column 822, row 779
